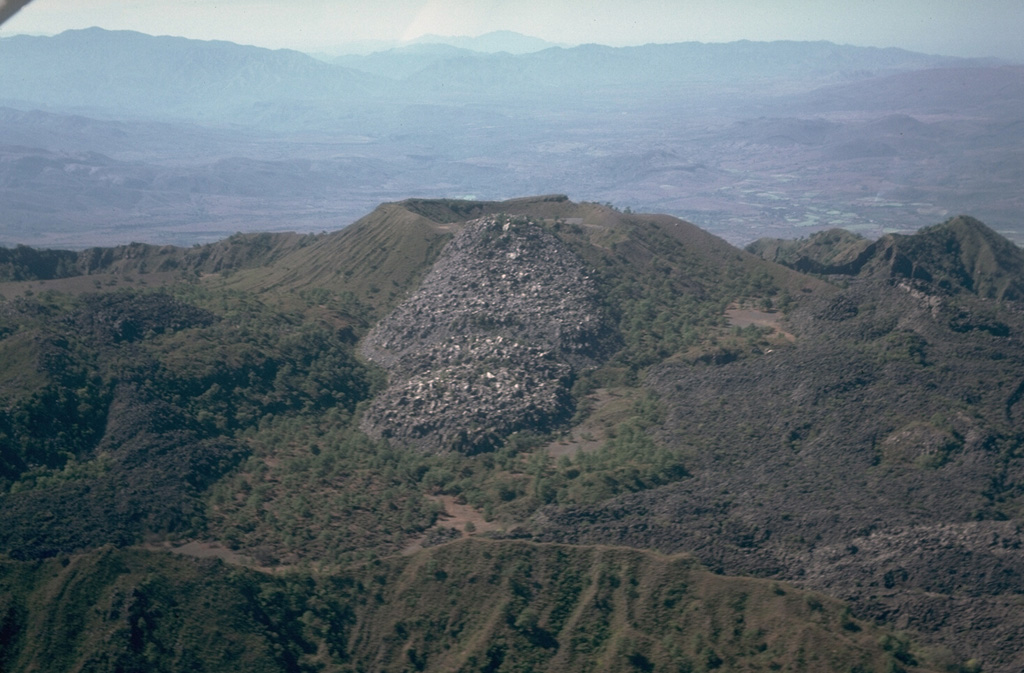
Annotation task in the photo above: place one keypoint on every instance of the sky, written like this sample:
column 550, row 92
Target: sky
column 948, row 27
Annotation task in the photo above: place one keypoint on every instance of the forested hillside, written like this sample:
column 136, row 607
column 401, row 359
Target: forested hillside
column 667, row 453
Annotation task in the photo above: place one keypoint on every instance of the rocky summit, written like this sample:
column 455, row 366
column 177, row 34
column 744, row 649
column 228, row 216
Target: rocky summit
column 490, row 342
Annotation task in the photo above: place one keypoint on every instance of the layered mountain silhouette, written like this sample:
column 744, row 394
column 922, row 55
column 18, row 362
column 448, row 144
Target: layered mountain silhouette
column 175, row 78
column 113, row 136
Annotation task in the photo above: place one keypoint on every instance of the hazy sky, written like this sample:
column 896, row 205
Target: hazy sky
column 952, row 27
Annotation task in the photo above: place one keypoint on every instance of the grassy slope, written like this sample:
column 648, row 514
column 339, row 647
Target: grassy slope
column 468, row 606
column 522, row 606
column 377, row 259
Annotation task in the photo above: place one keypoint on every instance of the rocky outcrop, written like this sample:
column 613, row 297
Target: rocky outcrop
column 959, row 255
column 490, row 342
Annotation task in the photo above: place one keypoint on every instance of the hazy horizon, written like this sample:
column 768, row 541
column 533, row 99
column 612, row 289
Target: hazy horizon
column 746, row 140
column 952, row 28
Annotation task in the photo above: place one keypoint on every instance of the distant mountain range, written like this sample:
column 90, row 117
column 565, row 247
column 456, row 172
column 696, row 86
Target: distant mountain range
column 125, row 73
column 109, row 136
column 129, row 74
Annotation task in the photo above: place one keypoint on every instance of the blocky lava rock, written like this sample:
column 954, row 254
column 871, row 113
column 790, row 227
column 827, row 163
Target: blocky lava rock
column 490, row 342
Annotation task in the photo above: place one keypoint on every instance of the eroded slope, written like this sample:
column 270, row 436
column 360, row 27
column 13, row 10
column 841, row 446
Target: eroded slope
column 469, row 606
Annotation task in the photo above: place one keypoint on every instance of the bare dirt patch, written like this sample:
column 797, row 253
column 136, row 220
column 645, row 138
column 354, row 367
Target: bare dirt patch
column 197, row 549
column 745, row 317
column 608, row 408
column 456, row 516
